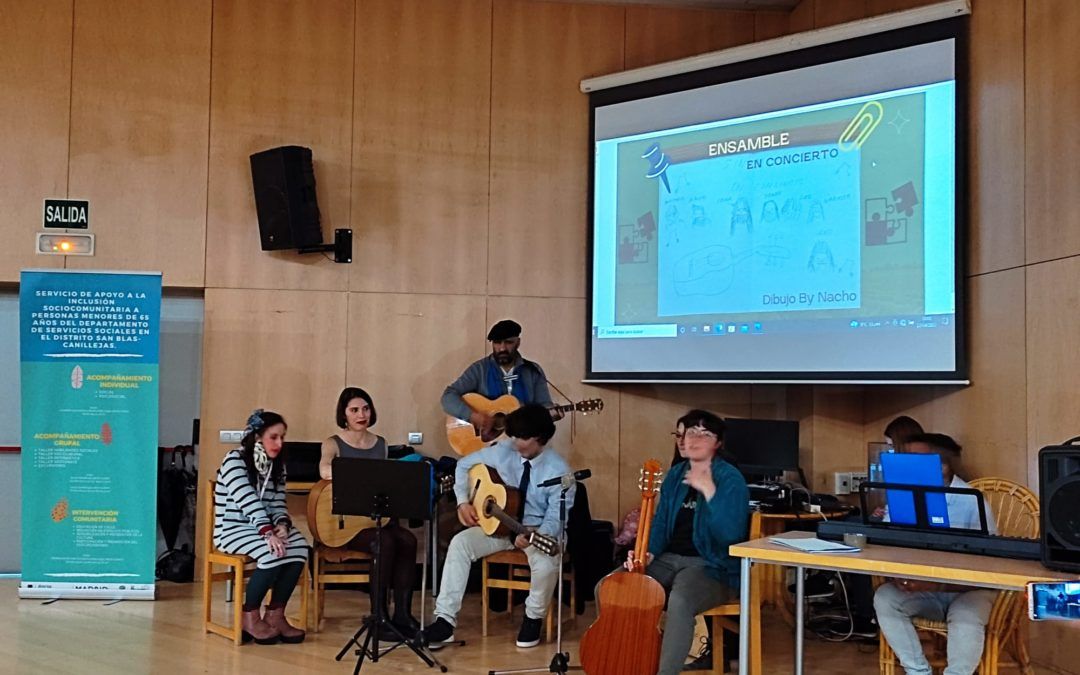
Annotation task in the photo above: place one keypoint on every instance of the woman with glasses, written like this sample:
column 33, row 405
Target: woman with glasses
column 701, row 511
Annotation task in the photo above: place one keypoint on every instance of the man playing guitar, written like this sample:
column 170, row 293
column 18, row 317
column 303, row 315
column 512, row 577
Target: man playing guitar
column 504, row 371
column 521, row 460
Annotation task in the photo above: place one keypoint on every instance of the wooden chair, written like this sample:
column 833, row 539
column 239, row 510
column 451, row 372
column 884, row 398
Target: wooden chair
column 517, row 579
column 336, row 565
column 726, row 616
column 240, row 567
column 1016, row 513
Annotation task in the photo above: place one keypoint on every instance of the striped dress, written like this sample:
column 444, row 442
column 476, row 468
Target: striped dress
column 239, row 514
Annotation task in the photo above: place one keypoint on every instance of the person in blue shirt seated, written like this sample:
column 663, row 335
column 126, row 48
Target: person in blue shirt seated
column 966, row 611
column 523, row 460
column 703, row 508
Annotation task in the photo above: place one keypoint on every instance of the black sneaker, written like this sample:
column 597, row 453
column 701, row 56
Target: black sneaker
column 529, row 635
column 438, row 634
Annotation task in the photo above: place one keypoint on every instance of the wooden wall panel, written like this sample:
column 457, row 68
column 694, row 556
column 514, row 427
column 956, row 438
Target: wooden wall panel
column 996, row 109
column 278, row 350
column 768, row 25
column 1052, row 63
column 420, row 148
column 139, row 128
column 539, row 141
column 658, row 34
column 648, row 414
column 838, row 443
column 281, row 75
column 801, row 18
column 404, row 350
column 830, row 12
column 35, row 76
column 875, row 7
column 987, row 418
column 1053, row 360
column 552, row 335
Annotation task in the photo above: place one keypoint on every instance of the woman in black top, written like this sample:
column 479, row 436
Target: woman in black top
column 397, row 560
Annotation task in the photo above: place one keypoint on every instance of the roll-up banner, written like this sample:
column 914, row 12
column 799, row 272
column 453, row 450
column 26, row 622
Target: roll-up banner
column 89, row 359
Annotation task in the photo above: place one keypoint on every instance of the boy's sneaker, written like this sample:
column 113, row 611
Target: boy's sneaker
column 529, row 635
column 438, row 634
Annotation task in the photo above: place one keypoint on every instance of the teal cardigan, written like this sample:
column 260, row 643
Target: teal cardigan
column 718, row 523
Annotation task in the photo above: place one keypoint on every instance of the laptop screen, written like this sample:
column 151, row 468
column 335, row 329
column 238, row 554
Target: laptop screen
column 914, row 469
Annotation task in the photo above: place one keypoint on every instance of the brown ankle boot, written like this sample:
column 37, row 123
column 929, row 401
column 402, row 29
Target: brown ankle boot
column 257, row 629
column 275, row 616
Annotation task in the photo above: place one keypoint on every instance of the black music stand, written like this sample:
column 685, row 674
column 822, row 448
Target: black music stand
column 379, row 489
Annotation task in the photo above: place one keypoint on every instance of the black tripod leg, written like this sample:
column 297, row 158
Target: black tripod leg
column 355, row 640
column 363, row 651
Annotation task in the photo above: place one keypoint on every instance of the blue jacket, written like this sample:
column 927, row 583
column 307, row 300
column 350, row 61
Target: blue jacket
column 718, row 523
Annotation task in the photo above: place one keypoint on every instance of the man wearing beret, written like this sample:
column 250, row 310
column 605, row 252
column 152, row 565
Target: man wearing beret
column 504, row 371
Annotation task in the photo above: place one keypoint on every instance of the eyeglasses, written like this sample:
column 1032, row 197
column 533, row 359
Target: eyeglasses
column 677, row 435
column 695, row 432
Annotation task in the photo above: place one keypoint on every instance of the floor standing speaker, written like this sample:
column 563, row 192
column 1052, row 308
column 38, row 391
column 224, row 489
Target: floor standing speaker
column 1059, row 497
column 284, row 183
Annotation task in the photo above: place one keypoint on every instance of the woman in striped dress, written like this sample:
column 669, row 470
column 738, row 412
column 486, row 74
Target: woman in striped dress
column 250, row 518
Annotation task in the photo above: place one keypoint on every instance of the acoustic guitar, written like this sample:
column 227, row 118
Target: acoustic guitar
column 466, row 439
column 333, row 529
column 494, row 502
column 625, row 638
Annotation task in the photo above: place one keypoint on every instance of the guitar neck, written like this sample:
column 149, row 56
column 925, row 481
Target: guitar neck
column 505, row 518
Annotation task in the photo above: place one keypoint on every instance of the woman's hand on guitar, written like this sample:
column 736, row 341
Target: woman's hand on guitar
column 466, row 513
column 522, row 542
column 276, row 544
column 629, row 564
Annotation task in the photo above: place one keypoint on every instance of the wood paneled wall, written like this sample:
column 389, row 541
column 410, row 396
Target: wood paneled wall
column 450, row 135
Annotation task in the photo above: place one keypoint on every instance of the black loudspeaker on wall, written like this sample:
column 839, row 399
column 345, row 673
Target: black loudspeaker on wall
column 284, row 182
column 1059, row 497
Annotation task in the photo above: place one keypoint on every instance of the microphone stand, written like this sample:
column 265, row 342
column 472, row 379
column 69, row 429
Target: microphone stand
column 560, row 662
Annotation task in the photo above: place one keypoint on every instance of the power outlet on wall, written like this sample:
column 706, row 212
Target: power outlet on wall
column 842, row 483
column 416, row 438
column 229, row 436
column 857, row 479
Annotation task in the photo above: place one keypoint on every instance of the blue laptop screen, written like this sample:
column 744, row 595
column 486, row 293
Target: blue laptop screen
column 914, row 469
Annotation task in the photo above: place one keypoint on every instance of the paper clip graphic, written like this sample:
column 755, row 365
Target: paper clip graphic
column 658, row 164
column 861, row 126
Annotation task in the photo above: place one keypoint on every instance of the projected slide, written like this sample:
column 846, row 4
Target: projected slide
column 783, row 235
column 746, row 233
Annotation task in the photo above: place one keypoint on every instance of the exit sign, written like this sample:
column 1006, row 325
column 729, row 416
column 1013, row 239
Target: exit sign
column 68, row 214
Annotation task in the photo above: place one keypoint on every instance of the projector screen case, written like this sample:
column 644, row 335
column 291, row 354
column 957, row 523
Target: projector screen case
column 938, row 356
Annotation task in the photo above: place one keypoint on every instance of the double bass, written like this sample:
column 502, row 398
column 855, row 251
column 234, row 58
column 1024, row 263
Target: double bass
column 625, row 638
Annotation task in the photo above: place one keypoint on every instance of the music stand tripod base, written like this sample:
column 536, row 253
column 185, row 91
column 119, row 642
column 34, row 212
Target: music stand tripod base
column 382, row 489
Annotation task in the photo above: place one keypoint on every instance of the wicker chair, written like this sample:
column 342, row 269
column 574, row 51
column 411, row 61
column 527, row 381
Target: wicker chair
column 1016, row 512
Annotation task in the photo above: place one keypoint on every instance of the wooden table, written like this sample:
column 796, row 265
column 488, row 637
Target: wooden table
column 891, row 561
column 774, row 591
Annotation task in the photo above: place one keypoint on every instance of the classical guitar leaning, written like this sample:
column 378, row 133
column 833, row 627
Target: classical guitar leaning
column 630, row 604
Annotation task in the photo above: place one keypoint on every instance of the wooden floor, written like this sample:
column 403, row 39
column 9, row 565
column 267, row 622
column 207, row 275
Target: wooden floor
column 165, row 636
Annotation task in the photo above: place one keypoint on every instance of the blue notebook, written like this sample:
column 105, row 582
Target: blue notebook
column 914, row 469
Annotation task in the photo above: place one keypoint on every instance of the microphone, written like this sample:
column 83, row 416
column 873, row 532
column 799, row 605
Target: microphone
column 566, row 480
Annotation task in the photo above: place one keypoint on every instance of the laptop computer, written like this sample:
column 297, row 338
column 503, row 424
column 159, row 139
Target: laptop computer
column 914, row 469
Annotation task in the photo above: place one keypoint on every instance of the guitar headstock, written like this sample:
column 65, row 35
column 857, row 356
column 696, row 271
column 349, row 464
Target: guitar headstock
column 589, row 405
column 544, row 543
column 444, row 483
column 651, row 477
